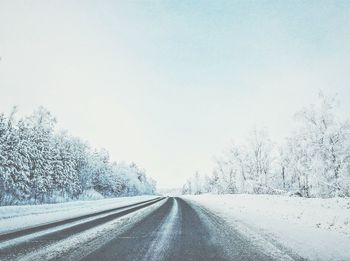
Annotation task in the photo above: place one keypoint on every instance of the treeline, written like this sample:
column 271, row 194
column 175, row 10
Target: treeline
column 39, row 164
column 314, row 160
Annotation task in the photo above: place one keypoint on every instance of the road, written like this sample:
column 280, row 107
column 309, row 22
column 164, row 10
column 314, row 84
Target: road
column 173, row 230
column 176, row 231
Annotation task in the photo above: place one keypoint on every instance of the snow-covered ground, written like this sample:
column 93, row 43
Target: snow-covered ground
column 17, row 217
column 316, row 229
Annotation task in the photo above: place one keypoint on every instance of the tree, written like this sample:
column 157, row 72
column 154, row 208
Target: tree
column 39, row 164
column 320, row 150
column 314, row 160
column 260, row 159
column 14, row 167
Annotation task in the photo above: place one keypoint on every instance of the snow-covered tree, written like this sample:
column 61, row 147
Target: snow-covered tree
column 260, row 158
column 313, row 161
column 319, row 150
column 245, row 168
column 39, row 164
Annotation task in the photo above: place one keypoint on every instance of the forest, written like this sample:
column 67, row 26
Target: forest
column 40, row 164
column 312, row 161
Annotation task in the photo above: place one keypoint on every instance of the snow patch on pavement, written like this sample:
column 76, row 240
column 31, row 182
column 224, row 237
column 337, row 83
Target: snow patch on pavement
column 161, row 244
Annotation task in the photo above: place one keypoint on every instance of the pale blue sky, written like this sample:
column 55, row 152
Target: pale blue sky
column 169, row 83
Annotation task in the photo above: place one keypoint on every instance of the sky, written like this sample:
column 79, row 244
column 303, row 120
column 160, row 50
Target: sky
column 168, row 84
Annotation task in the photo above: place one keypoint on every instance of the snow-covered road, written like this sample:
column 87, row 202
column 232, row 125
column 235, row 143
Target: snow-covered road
column 155, row 229
column 209, row 227
column 14, row 218
column 40, row 240
column 179, row 231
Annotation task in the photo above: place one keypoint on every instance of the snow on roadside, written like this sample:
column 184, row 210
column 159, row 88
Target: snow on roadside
column 317, row 229
column 17, row 217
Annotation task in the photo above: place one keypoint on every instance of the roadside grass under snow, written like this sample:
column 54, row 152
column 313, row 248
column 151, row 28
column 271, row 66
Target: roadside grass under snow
column 17, row 217
column 313, row 228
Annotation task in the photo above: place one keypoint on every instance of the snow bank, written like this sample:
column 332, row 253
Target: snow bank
column 317, row 229
column 17, row 217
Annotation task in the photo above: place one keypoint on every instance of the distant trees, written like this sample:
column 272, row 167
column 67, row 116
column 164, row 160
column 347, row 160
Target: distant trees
column 39, row 164
column 313, row 162
column 195, row 185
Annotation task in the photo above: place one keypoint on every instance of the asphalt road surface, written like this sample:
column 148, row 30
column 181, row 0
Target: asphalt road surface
column 176, row 231
column 168, row 229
